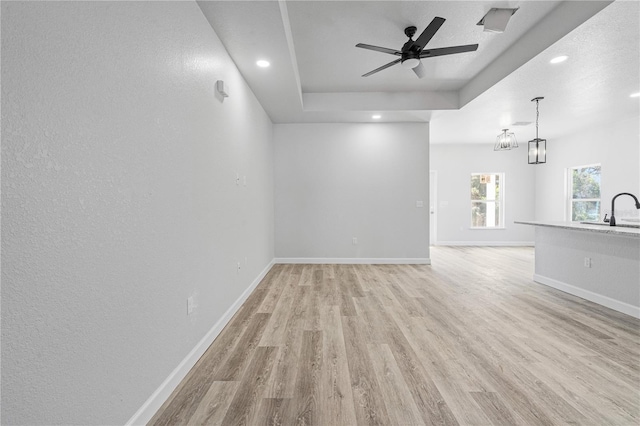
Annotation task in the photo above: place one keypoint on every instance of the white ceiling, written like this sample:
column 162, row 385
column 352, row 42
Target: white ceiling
column 316, row 69
column 328, row 61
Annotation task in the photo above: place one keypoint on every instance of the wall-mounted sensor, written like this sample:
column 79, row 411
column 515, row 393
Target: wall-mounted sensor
column 222, row 88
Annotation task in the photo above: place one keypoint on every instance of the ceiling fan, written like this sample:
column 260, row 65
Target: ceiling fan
column 413, row 51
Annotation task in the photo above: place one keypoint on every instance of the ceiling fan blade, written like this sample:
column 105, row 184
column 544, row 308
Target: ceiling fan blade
column 420, row 70
column 448, row 50
column 379, row 49
column 382, row 67
column 429, row 32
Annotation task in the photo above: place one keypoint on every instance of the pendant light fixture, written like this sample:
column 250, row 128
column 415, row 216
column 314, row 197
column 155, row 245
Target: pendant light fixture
column 505, row 141
column 537, row 146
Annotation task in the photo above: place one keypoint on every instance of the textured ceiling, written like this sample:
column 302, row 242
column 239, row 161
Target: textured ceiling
column 329, row 62
column 590, row 88
column 316, row 69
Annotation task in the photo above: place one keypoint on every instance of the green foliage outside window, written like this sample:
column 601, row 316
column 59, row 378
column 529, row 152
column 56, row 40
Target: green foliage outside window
column 585, row 193
column 485, row 200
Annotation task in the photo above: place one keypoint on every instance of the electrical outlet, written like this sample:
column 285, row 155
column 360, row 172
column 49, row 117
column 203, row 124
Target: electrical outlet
column 419, row 204
column 587, row 262
column 190, row 305
column 355, row 241
column 237, row 178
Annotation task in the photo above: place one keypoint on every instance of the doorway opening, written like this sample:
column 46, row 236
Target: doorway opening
column 433, row 203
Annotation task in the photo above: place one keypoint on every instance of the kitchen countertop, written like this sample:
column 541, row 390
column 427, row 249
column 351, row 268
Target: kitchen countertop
column 576, row 226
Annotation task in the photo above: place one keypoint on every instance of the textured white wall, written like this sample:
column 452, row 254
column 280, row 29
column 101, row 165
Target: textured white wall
column 616, row 147
column 338, row 181
column 454, row 164
column 119, row 201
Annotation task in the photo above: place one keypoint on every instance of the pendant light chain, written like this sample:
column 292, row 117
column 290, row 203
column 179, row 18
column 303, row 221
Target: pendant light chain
column 537, row 116
column 538, row 99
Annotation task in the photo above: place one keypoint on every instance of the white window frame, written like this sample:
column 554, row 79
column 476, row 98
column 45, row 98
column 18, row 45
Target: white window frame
column 500, row 201
column 569, row 189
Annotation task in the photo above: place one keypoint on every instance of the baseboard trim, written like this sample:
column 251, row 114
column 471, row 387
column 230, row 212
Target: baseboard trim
column 155, row 401
column 355, row 260
column 608, row 302
column 486, row 243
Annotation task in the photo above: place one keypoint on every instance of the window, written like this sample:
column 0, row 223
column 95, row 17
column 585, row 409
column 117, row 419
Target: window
column 487, row 200
column 584, row 193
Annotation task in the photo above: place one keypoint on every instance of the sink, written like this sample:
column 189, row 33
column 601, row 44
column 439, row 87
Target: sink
column 621, row 225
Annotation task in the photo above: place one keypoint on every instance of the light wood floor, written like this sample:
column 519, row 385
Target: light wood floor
column 469, row 340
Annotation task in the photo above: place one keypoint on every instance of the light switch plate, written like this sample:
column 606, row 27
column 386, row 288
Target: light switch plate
column 190, row 305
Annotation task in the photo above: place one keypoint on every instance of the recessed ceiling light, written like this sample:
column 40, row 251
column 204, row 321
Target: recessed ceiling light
column 558, row 59
column 376, row 116
column 634, row 95
column 262, row 63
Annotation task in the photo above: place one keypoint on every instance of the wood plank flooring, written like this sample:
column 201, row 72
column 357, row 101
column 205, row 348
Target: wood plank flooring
column 468, row 340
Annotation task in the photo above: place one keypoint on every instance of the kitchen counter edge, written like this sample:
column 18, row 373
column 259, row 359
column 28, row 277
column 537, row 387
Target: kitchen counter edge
column 601, row 229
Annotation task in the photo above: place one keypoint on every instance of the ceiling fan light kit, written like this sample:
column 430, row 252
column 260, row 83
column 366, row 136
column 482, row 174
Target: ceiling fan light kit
column 410, row 63
column 537, row 146
column 412, row 51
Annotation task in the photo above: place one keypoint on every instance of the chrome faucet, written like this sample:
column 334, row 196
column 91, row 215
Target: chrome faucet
column 612, row 220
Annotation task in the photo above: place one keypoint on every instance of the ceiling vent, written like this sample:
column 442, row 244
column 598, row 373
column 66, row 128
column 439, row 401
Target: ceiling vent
column 522, row 123
column 496, row 19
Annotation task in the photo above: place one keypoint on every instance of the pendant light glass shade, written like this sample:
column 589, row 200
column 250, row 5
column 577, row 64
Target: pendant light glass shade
column 505, row 141
column 537, row 147
column 537, row 151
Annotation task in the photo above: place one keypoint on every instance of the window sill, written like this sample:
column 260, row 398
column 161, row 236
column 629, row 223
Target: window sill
column 485, row 228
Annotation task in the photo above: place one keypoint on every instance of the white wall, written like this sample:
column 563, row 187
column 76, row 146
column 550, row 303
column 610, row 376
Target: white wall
column 119, row 201
column 338, row 181
column 454, row 164
column 611, row 280
column 616, row 147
